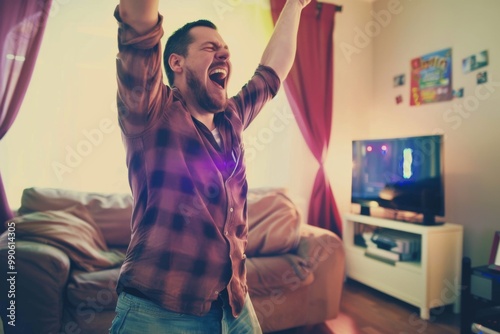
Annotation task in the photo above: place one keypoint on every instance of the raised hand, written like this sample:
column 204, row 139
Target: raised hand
column 142, row 15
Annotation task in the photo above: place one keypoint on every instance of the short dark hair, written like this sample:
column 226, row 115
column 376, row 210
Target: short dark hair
column 178, row 43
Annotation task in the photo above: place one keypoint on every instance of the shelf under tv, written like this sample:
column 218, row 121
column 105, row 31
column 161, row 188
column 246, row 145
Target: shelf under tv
column 433, row 281
column 404, row 217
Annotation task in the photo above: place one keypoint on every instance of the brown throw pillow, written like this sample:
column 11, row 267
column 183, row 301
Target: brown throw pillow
column 273, row 222
column 72, row 230
column 111, row 212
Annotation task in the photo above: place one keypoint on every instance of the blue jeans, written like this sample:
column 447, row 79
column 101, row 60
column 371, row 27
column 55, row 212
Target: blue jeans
column 141, row 316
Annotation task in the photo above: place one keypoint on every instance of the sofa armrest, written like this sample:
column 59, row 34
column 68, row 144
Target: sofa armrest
column 41, row 277
column 318, row 245
column 325, row 255
column 302, row 292
column 275, row 275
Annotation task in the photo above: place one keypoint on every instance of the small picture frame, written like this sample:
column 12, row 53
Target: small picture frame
column 494, row 262
column 482, row 77
column 399, row 99
column 399, row 80
column 458, row 93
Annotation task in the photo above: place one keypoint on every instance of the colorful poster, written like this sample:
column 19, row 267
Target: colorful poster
column 431, row 78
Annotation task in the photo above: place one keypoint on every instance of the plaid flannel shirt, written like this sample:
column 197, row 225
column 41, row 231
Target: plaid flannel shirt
column 189, row 223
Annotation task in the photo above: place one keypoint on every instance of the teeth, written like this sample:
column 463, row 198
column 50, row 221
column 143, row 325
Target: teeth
column 218, row 70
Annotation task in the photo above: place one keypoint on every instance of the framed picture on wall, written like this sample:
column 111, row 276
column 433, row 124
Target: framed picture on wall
column 475, row 61
column 494, row 262
column 399, row 80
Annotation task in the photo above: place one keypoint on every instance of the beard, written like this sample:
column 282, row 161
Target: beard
column 202, row 96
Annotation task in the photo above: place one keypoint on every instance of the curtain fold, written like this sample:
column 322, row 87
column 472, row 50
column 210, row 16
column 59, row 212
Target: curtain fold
column 22, row 24
column 309, row 88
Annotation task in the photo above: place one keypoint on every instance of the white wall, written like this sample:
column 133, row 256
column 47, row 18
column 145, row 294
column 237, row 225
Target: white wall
column 353, row 80
column 414, row 28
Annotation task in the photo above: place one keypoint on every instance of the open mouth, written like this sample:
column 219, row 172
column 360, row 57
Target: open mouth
column 218, row 76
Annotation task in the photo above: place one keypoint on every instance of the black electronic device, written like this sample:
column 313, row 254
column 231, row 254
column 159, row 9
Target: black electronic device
column 479, row 299
column 485, row 283
column 404, row 174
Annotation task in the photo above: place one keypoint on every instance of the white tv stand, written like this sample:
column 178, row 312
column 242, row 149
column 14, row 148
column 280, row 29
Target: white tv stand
column 431, row 282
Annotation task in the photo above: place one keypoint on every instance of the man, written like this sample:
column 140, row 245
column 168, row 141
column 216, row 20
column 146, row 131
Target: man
column 185, row 266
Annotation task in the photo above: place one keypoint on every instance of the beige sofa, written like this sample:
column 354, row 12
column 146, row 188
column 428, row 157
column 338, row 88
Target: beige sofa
column 69, row 246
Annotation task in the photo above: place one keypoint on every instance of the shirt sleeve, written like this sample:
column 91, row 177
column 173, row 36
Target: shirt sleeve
column 139, row 75
column 263, row 86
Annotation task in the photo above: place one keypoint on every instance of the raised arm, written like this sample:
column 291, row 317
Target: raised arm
column 280, row 51
column 138, row 63
column 141, row 15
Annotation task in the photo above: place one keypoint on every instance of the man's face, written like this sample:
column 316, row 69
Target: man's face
column 208, row 69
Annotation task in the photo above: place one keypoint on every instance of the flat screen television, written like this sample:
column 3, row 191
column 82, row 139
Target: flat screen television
column 402, row 174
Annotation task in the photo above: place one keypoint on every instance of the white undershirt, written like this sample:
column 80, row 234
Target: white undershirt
column 216, row 134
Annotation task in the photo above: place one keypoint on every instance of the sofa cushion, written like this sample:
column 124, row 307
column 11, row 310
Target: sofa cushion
column 71, row 230
column 93, row 291
column 111, row 212
column 273, row 222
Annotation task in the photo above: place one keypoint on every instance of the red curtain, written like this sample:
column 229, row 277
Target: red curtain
column 22, row 23
column 309, row 88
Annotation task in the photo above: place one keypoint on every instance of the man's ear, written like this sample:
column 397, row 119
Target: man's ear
column 176, row 63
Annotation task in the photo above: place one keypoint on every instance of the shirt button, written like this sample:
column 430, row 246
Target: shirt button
column 231, row 209
column 244, row 256
column 226, row 232
column 216, row 292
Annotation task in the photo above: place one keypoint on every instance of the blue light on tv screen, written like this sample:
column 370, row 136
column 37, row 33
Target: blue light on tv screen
column 407, row 163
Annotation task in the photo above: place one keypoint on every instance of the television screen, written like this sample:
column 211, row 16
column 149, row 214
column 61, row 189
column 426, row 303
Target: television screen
column 403, row 174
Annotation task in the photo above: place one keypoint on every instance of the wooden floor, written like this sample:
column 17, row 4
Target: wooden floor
column 366, row 311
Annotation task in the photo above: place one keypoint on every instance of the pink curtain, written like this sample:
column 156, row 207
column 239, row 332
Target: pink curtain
column 309, row 88
column 22, row 23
